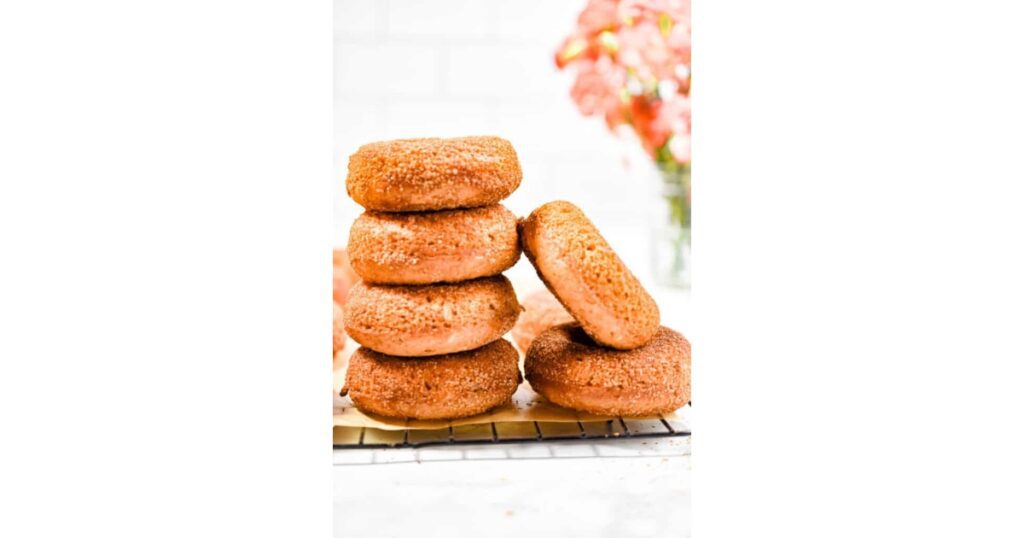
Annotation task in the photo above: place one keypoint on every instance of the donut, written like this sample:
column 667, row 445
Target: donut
column 565, row 366
column 441, row 246
column 541, row 311
column 417, row 321
column 445, row 386
column 344, row 276
column 584, row 273
column 339, row 329
column 424, row 174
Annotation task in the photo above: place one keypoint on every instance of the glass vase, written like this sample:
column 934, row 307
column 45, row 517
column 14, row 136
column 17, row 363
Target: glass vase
column 670, row 225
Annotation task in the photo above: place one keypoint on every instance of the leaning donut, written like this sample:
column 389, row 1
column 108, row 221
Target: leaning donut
column 578, row 266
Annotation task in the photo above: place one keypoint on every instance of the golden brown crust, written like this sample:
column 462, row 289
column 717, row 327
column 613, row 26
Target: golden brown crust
column 541, row 311
column 423, row 174
column 441, row 387
column 576, row 263
column 438, row 246
column 565, row 366
column 417, row 321
column 339, row 329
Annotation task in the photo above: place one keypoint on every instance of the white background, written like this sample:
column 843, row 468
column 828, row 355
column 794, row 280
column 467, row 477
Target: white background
column 164, row 205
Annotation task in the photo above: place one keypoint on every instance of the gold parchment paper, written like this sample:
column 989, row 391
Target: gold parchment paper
column 526, row 406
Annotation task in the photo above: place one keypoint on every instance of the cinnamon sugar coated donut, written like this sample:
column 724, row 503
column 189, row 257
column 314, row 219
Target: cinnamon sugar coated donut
column 444, row 387
column 541, row 311
column 565, row 366
column 423, row 174
column 416, row 321
column 585, row 274
column 440, row 246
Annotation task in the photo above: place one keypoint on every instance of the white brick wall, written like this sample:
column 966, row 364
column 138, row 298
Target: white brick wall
column 409, row 68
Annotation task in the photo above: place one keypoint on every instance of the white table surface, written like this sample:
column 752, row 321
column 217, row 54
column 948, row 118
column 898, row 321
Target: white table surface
column 618, row 488
column 613, row 488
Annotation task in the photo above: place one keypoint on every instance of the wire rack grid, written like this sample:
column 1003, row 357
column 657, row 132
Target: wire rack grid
column 346, row 437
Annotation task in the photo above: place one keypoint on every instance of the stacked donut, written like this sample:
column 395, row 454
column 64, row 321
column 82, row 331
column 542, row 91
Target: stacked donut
column 432, row 305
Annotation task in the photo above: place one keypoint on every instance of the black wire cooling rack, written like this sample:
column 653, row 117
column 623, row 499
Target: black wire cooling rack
column 346, row 437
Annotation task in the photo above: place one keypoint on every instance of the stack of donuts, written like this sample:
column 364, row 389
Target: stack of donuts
column 432, row 305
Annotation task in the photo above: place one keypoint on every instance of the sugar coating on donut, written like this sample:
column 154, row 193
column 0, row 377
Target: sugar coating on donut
column 438, row 246
column 423, row 174
column 565, row 366
column 584, row 273
column 415, row 321
column 442, row 387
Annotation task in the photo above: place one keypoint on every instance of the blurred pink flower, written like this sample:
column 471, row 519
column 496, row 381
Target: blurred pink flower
column 679, row 147
column 597, row 16
column 678, row 10
column 597, row 87
column 674, row 115
column 643, row 115
column 645, row 50
column 632, row 64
